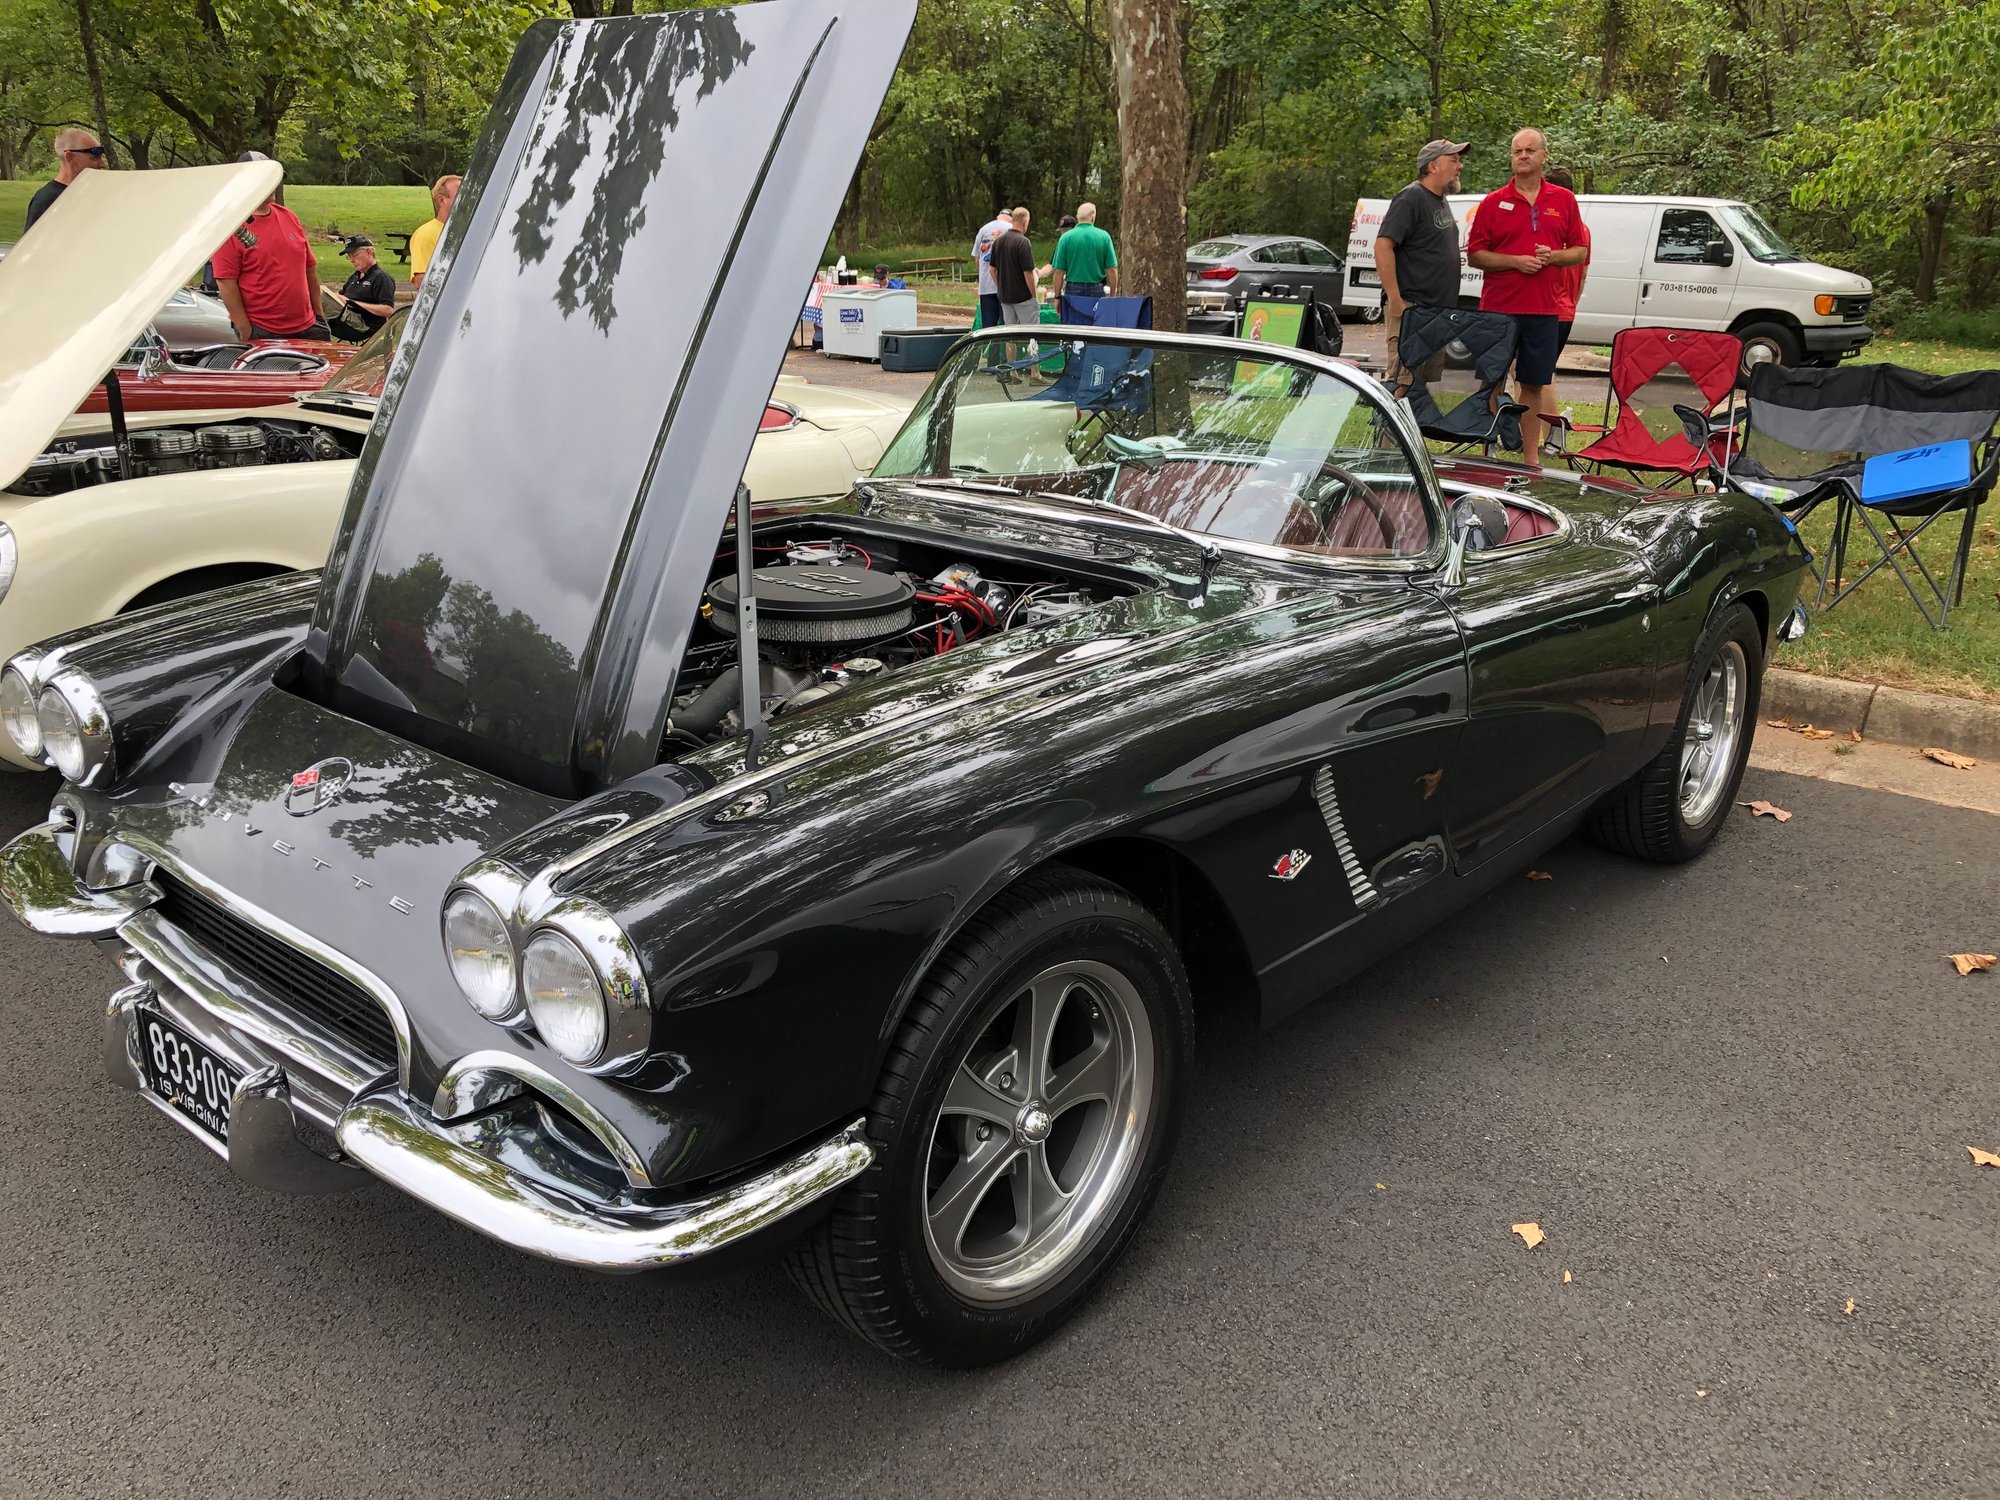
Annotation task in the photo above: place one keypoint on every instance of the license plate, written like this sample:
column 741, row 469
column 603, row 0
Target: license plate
column 186, row 1074
column 1366, row 278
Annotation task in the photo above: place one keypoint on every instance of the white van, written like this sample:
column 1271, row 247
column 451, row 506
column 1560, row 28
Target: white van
column 1658, row 262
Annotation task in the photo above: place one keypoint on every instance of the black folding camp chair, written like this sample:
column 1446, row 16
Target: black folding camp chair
column 1808, row 439
column 1487, row 419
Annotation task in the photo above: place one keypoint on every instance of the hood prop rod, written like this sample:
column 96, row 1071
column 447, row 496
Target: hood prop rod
column 114, row 400
column 749, row 672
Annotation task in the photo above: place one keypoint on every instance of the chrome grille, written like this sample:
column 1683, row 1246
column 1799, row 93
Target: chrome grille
column 301, row 985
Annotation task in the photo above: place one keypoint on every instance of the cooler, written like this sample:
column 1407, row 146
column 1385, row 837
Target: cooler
column 909, row 349
column 853, row 320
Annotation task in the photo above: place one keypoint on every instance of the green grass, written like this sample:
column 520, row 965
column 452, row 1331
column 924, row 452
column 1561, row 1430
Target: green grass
column 1933, row 356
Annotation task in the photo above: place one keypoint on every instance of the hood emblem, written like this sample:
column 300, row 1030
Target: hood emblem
column 317, row 785
column 1290, row 865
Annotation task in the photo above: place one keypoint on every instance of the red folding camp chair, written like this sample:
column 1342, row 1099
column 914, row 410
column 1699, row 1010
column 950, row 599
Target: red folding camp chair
column 1642, row 355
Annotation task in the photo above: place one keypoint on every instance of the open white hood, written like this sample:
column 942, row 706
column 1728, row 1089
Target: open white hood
column 88, row 278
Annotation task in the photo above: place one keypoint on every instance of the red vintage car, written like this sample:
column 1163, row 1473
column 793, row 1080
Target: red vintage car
column 220, row 376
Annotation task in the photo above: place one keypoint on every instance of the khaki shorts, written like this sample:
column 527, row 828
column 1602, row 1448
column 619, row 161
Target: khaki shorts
column 1399, row 374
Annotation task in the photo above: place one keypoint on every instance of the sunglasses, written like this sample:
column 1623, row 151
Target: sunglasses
column 86, row 151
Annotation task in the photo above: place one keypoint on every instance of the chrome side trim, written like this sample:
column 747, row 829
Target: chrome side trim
column 312, row 947
column 386, row 1134
column 38, row 885
column 478, row 1081
column 1358, row 884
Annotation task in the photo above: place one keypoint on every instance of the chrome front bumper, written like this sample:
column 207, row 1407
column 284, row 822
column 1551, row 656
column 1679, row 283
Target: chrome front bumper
column 309, row 1113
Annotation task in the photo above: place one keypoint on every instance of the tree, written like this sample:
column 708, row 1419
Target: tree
column 1148, row 61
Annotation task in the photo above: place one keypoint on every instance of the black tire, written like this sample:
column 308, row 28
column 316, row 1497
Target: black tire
column 872, row 1265
column 1647, row 817
column 1769, row 343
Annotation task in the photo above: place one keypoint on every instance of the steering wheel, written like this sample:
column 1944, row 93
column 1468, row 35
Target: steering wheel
column 1353, row 488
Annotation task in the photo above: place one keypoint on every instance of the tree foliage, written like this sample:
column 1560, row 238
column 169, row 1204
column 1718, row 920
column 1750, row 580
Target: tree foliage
column 1869, row 130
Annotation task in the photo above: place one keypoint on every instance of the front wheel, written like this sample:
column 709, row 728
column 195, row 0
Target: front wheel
column 1769, row 344
column 1023, row 1121
column 1673, row 809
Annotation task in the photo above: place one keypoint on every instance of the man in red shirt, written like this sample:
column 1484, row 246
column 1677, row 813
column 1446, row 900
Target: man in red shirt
column 1518, row 234
column 267, row 278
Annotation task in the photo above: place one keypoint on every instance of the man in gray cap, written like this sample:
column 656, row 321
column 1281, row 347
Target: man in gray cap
column 1416, row 249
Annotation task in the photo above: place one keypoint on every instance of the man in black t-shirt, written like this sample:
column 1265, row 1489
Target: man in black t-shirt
column 366, row 298
column 1013, row 261
column 77, row 151
column 1416, row 249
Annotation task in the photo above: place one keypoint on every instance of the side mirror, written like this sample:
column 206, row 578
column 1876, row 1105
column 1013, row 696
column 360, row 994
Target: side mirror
column 1717, row 253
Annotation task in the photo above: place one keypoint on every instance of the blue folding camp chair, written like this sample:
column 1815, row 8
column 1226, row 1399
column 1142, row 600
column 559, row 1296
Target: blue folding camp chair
column 1487, row 419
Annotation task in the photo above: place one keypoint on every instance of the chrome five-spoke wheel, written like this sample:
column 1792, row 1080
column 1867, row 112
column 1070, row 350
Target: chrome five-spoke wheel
column 1038, row 1132
column 1715, row 723
column 1022, row 1123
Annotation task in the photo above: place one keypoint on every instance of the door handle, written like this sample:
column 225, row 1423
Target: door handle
column 1645, row 289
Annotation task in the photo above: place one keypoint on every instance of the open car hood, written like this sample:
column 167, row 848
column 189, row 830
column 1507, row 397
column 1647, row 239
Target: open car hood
column 76, row 291
column 569, row 413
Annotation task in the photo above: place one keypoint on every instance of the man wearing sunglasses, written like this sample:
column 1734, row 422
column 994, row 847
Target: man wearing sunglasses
column 77, row 151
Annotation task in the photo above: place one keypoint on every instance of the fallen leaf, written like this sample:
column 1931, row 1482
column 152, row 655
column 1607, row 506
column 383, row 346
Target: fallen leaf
column 1849, row 1309
column 1565, row 1278
column 1816, row 734
column 1762, row 809
column 1701, row 1395
column 1983, row 1158
column 1950, row 758
column 1854, row 736
column 1784, row 723
column 1381, row 1187
column 1665, row 959
column 1966, row 963
column 1540, row 875
column 1531, row 1234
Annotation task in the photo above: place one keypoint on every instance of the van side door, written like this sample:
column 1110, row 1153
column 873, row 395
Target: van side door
column 1689, row 279
column 1618, row 244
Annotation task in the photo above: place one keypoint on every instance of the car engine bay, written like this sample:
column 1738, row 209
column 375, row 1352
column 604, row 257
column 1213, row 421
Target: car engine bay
column 151, row 451
column 835, row 611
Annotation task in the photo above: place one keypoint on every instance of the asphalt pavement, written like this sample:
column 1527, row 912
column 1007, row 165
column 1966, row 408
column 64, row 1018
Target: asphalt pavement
column 1733, row 1095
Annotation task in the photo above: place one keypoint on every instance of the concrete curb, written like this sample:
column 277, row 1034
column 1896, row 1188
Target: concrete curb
column 1884, row 713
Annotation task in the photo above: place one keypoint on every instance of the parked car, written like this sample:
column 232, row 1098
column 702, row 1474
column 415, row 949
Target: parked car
column 1664, row 262
column 92, row 528
column 642, row 889
column 188, row 319
column 1226, row 272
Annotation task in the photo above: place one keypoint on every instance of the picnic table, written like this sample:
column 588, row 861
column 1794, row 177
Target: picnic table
column 400, row 243
column 931, row 265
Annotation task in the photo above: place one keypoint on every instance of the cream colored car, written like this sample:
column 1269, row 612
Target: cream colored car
column 222, row 497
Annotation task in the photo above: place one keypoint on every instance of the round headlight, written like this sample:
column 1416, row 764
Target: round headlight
column 62, row 741
column 481, row 955
column 76, row 729
column 17, row 714
column 10, row 558
column 564, row 997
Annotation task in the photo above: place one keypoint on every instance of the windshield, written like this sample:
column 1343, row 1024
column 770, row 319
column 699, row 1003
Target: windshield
column 363, row 375
column 1225, row 442
column 1760, row 239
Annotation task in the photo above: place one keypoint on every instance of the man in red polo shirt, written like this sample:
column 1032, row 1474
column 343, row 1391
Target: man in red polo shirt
column 1520, row 233
column 267, row 278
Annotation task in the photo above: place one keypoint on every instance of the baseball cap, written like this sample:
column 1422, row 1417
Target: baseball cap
column 355, row 242
column 1434, row 149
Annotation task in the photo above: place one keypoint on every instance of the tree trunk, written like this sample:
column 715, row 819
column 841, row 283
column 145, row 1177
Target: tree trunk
column 86, row 33
column 1930, row 246
column 1610, row 43
column 1148, row 59
column 1434, row 57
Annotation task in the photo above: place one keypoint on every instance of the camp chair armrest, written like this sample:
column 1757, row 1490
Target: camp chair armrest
column 1701, row 428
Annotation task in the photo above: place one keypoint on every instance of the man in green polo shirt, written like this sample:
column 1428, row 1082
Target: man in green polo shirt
column 1085, row 262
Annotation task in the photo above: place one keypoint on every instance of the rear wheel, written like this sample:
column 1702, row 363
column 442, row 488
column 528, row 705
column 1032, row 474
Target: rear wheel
column 1673, row 809
column 1022, row 1124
